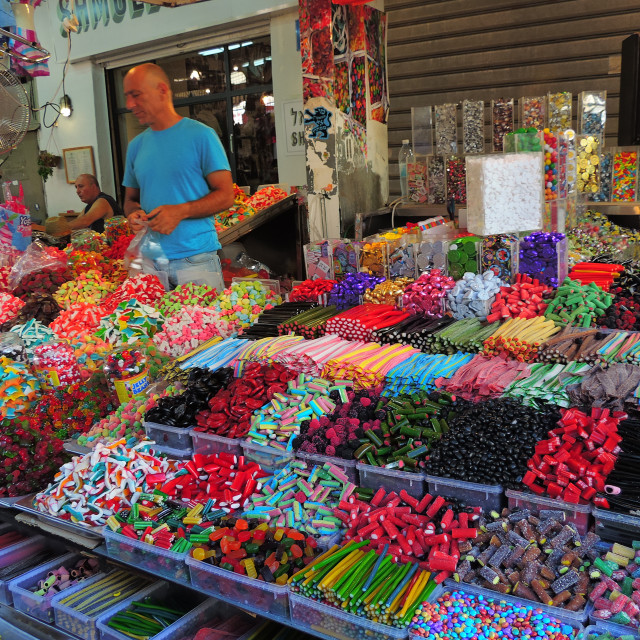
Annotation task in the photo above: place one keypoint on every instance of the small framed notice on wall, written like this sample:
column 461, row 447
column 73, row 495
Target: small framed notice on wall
column 78, row 160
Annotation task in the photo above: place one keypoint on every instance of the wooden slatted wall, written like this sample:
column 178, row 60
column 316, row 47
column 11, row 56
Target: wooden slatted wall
column 448, row 50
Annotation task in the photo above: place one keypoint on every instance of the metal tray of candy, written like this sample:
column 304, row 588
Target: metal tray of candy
column 25, row 504
column 72, row 446
column 8, row 502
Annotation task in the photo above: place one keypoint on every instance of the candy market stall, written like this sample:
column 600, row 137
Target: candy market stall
column 432, row 435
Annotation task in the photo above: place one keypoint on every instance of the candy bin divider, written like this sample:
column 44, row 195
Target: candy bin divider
column 391, row 479
column 215, row 582
column 348, row 467
column 27, row 601
column 307, row 250
column 582, row 96
column 16, row 553
column 578, row 514
column 269, row 458
column 173, row 454
column 60, row 612
column 146, row 556
column 88, row 623
column 625, row 528
column 166, row 436
column 181, row 627
column 208, row 444
column 575, row 618
column 489, row 497
column 302, row 608
column 611, row 627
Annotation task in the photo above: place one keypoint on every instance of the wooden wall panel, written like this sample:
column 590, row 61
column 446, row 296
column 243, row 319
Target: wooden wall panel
column 448, row 50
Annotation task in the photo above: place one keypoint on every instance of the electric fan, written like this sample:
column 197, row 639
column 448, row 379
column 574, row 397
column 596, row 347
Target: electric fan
column 14, row 102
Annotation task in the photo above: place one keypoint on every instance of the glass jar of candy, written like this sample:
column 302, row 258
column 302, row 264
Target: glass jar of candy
column 12, row 346
column 127, row 371
column 55, row 364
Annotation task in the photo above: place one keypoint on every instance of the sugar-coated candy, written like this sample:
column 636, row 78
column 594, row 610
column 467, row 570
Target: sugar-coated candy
column 18, row 388
column 130, row 321
column 185, row 295
column 244, row 301
column 77, row 319
column 191, row 326
column 266, row 197
column 534, row 556
column 31, row 455
column 526, row 298
column 40, row 307
column 88, row 287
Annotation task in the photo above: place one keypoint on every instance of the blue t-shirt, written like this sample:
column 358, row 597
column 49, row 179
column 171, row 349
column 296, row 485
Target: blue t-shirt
column 170, row 167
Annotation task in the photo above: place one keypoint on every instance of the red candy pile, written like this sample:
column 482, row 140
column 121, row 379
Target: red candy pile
column 524, row 299
column 9, row 307
column 266, row 198
column 145, row 288
column 360, row 322
column 230, row 410
column 573, row 464
column 425, row 530
column 310, row 290
column 226, row 479
column 117, row 250
column 41, row 282
column 79, row 318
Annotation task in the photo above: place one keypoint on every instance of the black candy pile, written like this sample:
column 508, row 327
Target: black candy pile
column 490, row 442
column 180, row 411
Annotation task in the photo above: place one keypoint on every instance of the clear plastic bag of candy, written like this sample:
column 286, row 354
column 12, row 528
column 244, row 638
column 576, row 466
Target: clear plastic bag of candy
column 37, row 257
column 145, row 253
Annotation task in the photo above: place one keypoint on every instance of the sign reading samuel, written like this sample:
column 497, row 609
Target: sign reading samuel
column 93, row 13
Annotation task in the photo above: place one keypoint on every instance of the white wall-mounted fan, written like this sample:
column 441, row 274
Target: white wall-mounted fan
column 15, row 112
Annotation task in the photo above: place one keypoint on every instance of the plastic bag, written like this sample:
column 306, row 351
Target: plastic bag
column 145, row 255
column 88, row 240
column 247, row 262
column 15, row 221
column 37, row 257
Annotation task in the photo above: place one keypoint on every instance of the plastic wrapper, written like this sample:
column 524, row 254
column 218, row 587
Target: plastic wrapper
column 145, row 253
column 37, row 257
column 87, row 240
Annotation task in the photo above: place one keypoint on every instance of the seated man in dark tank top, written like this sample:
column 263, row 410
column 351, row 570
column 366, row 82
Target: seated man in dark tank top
column 100, row 206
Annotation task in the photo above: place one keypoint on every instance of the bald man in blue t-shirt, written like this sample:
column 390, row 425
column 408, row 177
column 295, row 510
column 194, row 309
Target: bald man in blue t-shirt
column 177, row 175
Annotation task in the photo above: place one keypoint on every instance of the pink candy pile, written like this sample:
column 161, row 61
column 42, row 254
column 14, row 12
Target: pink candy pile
column 426, row 295
column 266, row 197
column 184, row 331
column 9, row 307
